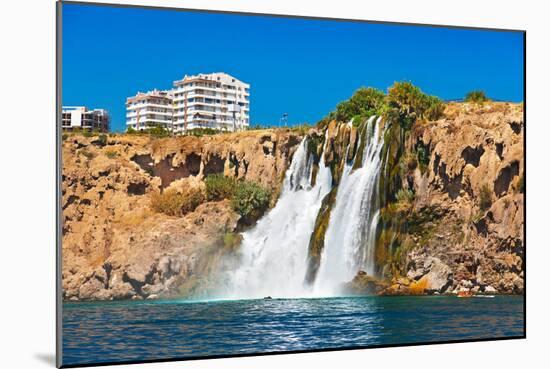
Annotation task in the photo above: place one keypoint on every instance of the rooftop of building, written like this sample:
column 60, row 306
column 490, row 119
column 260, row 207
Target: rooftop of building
column 211, row 77
column 162, row 94
column 81, row 108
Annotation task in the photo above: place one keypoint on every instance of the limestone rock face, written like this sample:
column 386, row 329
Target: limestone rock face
column 433, row 274
column 115, row 247
column 473, row 183
column 363, row 284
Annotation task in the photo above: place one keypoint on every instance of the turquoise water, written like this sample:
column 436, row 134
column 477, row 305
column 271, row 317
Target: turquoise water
column 152, row 330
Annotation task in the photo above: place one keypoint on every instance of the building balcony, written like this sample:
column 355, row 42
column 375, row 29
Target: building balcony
column 149, row 105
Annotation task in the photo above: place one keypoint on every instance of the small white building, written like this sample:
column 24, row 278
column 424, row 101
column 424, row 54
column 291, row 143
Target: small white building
column 80, row 117
column 215, row 100
column 150, row 109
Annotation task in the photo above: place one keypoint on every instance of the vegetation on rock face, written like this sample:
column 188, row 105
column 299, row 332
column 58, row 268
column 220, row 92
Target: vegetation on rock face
column 317, row 239
column 102, row 140
column 87, row 154
column 155, row 131
column 423, row 157
column 232, row 240
column 301, row 129
column 199, row 132
column 405, row 196
column 477, row 97
column 250, row 200
column 402, row 108
column 485, row 197
column 219, row 187
column 175, row 203
column 315, row 148
column 111, row 154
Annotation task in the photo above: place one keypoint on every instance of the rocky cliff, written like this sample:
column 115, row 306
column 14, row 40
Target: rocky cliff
column 451, row 205
column 472, row 191
column 451, row 202
column 116, row 247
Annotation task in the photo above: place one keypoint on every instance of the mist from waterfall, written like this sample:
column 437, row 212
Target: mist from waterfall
column 272, row 259
column 350, row 236
column 273, row 254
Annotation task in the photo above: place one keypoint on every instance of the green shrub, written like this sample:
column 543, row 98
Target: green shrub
column 102, row 139
column 158, row 131
column 87, row 154
column 364, row 102
column 131, row 131
column 111, row 154
column 88, row 133
column 250, row 199
column 232, row 240
column 405, row 196
column 174, row 203
column 423, row 156
column 301, row 129
column 219, row 187
column 434, row 108
column 406, row 103
column 485, row 197
column 64, row 136
column 199, row 132
column 477, row 97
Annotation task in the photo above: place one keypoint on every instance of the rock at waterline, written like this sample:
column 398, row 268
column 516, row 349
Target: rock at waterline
column 363, row 284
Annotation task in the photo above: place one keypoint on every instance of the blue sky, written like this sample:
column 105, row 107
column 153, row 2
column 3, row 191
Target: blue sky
column 302, row 67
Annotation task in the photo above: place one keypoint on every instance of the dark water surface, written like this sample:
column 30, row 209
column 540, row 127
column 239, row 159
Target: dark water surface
column 144, row 330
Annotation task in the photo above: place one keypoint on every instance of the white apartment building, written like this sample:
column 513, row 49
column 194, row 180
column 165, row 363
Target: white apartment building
column 149, row 109
column 80, row 117
column 215, row 100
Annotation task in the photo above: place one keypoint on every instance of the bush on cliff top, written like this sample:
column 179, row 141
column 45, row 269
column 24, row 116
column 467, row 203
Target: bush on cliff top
column 154, row 131
column 404, row 103
column 174, row 203
column 477, row 97
column 199, row 132
column 365, row 102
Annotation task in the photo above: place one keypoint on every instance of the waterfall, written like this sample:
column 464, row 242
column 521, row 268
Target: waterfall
column 350, row 236
column 273, row 254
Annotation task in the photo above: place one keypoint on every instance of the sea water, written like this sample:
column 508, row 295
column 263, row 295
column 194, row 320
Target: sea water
column 153, row 330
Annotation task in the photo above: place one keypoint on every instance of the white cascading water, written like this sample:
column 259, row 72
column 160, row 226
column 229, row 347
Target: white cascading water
column 273, row 254
column 350, row 236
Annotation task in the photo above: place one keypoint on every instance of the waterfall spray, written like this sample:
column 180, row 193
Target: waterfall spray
column 273, row 254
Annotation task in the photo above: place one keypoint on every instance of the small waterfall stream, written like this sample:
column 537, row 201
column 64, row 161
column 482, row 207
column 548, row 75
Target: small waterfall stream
column 273, row 254
column 272, row 259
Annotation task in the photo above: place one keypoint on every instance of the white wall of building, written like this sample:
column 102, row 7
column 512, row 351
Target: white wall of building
column 153, row 108
column 80, row 117
column 217, row 100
